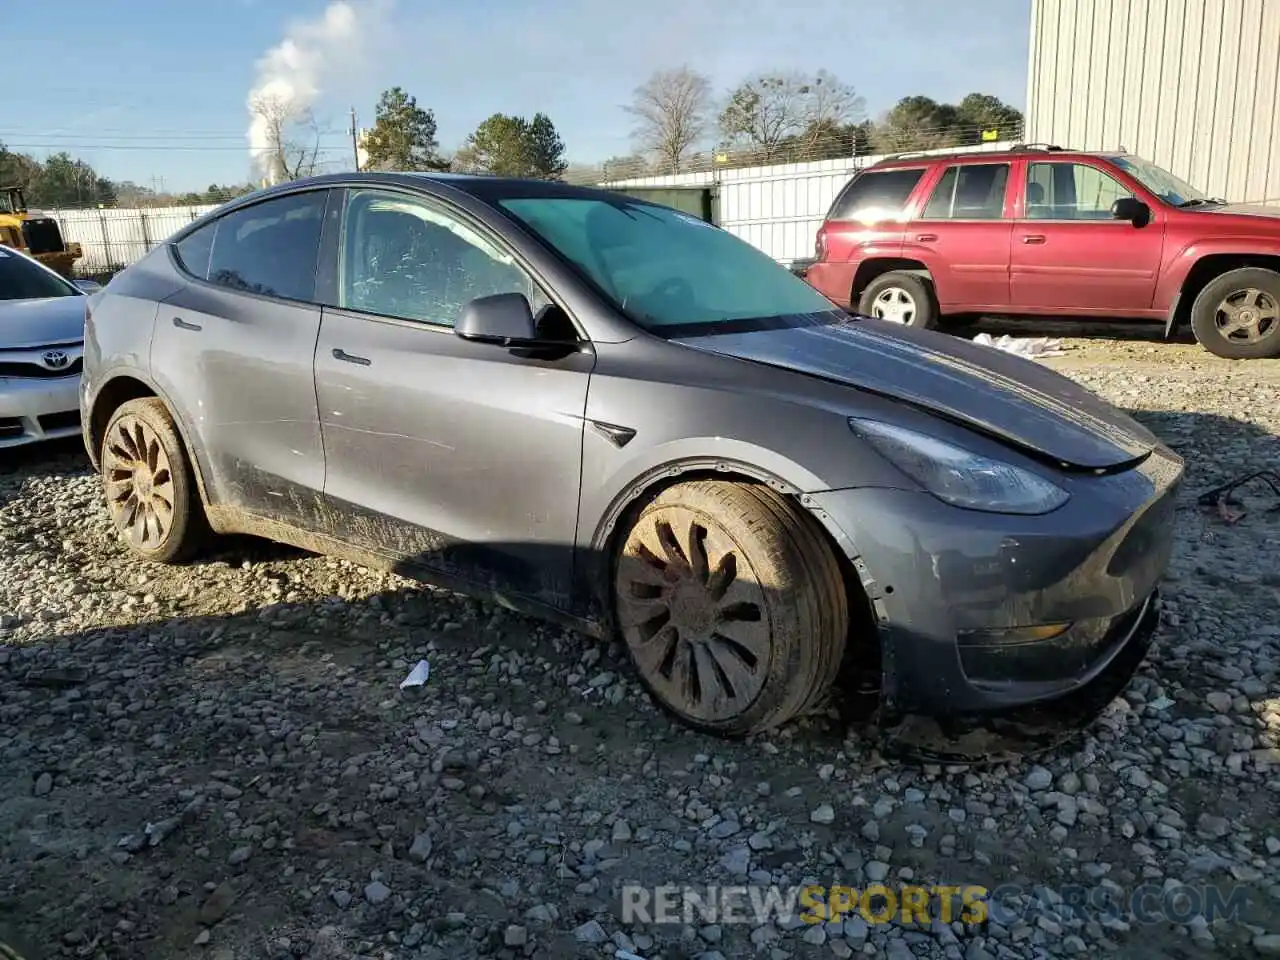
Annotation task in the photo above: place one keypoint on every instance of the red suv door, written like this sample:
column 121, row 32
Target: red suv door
column 1070, row 255
column 962, row 236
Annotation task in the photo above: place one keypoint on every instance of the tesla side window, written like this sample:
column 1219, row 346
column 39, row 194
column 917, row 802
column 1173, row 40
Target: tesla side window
column 404, row 258
column 972, row 191
column 195, row 249
column 1070, row 191
column 271, row 247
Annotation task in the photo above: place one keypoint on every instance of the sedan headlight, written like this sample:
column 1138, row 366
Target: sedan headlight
column 958, row 476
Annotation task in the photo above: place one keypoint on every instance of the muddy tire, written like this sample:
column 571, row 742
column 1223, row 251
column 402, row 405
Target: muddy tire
column 899, row 297
column 149, row 485
column 731, row 604
column 1237, row 315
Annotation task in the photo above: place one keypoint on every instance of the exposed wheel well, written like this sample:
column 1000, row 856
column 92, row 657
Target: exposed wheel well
column 862, row 619
column 868, row 270
column 110, row 397
column 1205, row 269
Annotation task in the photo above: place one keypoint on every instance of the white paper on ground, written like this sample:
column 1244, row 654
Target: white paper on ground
column 417, row 676
column 1022, row 346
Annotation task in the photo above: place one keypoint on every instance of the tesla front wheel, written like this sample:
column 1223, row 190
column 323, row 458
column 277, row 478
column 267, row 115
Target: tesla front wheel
column 732, row 605
column 148, row 483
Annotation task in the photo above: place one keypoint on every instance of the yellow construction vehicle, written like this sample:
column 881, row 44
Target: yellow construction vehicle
column 33, row 234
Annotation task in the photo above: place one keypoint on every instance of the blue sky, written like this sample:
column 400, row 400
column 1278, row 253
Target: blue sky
column 154, row 90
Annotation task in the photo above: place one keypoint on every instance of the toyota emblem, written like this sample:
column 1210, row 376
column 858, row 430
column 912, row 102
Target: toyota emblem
column 55, row 359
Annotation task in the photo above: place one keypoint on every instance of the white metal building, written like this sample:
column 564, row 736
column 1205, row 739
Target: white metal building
column 1192, row 85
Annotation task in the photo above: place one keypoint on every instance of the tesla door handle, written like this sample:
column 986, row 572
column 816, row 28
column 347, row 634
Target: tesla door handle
column 340, row 354
column 1033, row 238
column 186, row 325
column 927, row 237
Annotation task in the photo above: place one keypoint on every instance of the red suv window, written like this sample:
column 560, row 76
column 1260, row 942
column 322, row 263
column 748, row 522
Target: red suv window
column 875, row 195
column 1070, row 191
column 971, row 191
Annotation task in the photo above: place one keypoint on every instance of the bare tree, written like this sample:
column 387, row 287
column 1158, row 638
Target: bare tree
column 772, row 113
column 765, row 111
column 289, row 138
column 673, row 110
column 829, row 104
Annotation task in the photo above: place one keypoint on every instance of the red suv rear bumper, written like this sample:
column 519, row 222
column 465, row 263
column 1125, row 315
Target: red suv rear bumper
column 833, row 280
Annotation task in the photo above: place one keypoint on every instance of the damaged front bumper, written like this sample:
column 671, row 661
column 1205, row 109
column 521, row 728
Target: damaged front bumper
column 980, row 612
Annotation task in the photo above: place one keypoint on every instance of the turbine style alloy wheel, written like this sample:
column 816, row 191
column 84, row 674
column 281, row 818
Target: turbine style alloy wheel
column 731, row 605
column 693, row 614
column 148, row 483
column 139, row 483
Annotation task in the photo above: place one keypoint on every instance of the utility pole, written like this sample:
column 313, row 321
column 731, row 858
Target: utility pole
column 355, row 143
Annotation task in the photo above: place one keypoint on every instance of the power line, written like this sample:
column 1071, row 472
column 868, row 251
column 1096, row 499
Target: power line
column 85, row 135
column 166, row 147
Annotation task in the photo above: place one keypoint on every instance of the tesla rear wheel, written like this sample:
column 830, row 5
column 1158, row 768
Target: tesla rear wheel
column 731, row 604
column 1237, row 315
column 148, row 483
column 898, row 297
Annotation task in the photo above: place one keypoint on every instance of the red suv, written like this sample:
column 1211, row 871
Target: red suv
column 933, row 240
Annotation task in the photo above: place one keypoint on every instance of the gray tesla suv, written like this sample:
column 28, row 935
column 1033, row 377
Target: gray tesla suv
column 606, row 412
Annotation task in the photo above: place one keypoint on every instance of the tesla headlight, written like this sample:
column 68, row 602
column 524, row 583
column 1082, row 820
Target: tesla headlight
column 958, row 476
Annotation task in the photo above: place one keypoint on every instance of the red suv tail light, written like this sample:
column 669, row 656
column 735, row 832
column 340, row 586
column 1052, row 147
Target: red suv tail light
column 820, row 243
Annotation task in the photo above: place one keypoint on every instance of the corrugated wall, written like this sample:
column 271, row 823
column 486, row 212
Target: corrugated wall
column 1193, row 85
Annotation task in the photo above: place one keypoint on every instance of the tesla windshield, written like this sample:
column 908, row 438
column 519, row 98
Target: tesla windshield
column 664, row 268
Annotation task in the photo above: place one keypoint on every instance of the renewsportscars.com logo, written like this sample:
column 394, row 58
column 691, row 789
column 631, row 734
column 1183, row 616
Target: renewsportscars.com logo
column 910, row 904
column 876, row 904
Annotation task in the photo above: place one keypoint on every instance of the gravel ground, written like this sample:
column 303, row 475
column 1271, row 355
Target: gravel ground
column 216, row 760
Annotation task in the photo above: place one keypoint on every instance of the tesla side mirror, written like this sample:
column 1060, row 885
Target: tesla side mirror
column 88, row 286
column 505, row 319
column 1131, row 209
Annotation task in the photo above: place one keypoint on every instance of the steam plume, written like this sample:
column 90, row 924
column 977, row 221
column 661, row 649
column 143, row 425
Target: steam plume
column 292, row 74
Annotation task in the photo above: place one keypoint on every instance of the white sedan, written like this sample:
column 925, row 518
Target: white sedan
column 42, row 319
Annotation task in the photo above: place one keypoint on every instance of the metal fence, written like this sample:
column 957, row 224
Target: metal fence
column 114, row 238
column 777, row 208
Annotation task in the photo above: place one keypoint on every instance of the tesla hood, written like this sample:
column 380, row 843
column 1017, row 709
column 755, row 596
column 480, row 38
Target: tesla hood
column 1019, row 401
